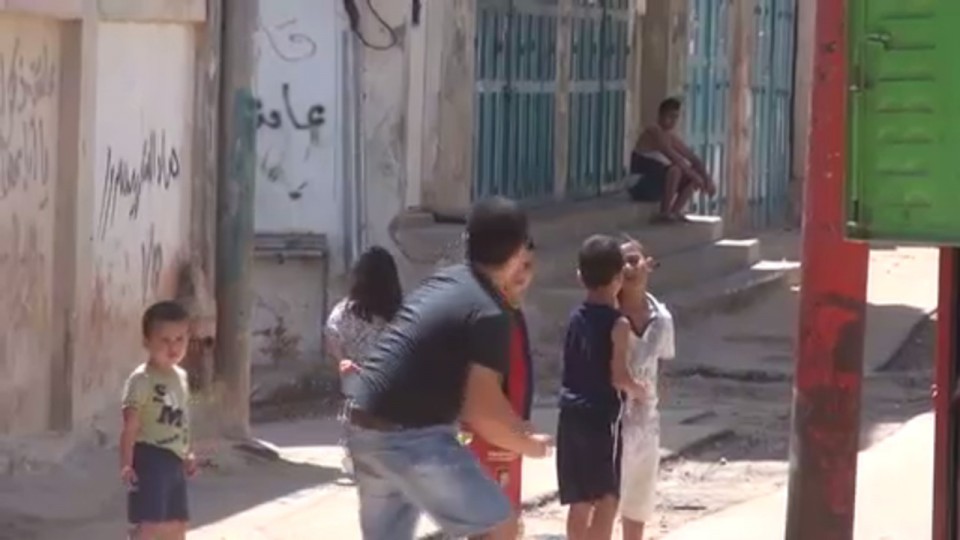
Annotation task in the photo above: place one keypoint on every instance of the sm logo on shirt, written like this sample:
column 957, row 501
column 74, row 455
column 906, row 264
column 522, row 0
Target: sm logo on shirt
column 171, row 413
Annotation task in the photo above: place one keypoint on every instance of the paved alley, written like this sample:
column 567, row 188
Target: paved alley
column 726, row 415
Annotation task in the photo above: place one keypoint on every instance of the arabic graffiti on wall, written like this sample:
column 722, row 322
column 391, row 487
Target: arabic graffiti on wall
column 277, row 118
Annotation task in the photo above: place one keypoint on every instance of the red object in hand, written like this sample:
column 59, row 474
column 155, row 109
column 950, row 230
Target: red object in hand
column 507, row 467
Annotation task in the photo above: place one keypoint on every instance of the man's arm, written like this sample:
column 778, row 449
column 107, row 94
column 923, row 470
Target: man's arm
column 133, row 398
column 486, row 408
column 491, row 416
column 687, row 153
column 667, row 145
column 695, row 162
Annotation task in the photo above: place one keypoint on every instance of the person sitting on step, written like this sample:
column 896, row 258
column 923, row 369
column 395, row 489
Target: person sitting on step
column 669, row 171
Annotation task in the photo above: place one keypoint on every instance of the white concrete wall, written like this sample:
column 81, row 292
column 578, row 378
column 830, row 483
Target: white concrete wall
column 385, row 83
column 29, row 88
column 299, row 135
column 302, row 182
column 142, row 182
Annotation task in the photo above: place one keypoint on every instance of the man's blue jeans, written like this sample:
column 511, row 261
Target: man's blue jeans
column 400, row 474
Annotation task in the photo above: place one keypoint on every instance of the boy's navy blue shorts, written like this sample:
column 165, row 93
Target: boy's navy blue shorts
column 653, row 179
column 160, row 494
column 588, row 460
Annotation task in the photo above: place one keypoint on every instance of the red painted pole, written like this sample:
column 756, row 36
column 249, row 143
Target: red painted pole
column 829, row 368
column 944, row 460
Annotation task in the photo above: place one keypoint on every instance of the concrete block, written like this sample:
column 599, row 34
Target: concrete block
column 701, row 264
column 731, row 292
column 557, row 262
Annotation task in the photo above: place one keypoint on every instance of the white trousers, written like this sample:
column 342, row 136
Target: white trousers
column 640, row 465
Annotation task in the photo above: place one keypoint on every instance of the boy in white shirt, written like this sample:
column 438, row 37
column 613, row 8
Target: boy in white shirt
column 652, row 340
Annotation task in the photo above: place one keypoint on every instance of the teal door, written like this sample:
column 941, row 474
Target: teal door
column 515, row 98
column 707, row 99
column 599, row 52
column 768, row 193
column 903, row 181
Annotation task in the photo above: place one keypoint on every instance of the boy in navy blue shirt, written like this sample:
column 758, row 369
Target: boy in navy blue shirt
column 588, row 462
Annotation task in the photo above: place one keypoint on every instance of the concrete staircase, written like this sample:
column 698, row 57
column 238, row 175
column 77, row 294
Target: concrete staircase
column 700, row 270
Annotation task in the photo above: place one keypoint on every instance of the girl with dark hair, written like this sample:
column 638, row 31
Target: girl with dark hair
column 356, row 321
column 373, row 299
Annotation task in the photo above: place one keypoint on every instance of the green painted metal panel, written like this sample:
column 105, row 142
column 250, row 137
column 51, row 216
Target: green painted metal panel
column 599, row 52
column 903, row 181
column 515, row 98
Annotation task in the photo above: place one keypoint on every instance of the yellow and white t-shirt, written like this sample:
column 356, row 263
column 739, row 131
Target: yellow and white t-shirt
column 161, row 398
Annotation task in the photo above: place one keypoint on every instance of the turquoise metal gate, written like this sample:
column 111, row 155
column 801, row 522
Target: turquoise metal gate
column 599, row 51
column 708, row 95
column 515, row 98
column 772, row 80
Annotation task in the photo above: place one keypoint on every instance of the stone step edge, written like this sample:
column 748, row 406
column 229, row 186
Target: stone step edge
column 732, row 292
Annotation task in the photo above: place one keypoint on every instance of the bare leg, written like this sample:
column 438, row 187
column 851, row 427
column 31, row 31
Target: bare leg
column 683, row 199
column 578, row 521
column 604, row 514
column 178, row 530
column 508, row 530
column 632, row 530
column 148, row 531
column 674, row 175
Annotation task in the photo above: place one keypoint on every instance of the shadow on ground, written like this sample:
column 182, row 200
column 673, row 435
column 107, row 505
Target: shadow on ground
column 234, row 481
column 758, row 401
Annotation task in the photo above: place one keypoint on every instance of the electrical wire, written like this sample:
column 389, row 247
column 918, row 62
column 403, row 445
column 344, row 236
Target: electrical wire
column 353, row 14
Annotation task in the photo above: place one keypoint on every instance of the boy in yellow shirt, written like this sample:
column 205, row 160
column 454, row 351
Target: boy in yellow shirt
column 155, row 455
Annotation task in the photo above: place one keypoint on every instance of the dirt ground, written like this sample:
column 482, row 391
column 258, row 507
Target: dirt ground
column 752, row 461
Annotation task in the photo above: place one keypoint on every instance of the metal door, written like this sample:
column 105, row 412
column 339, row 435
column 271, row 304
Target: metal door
column 772, row 111
column 708, row 95
column 903, row 116
column 599, row 51
column 515, row 98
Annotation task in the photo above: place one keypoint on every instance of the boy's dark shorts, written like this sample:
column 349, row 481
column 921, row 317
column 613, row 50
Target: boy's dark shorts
column 653, row 179
column 588, row 461
column 161, row 492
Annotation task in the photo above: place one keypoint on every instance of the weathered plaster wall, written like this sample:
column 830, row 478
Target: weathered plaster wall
column 384, row 82
column 446, row 150
column 141, row 183
column 299, row 134
column 287, row 313
column 332, row 157
column 303, row 185
column 663, row 54
column 29, row 87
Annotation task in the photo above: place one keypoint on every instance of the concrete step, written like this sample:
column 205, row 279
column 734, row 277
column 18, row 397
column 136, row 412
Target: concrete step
column 564, row 223
column 732, row 292
column 561, row 225
column 547, row 307
column 702, row 263
column 687, row 254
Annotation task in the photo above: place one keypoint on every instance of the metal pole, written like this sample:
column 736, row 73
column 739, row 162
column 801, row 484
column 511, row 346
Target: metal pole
column 829, row 369
column 945, row 376
column 235, row 215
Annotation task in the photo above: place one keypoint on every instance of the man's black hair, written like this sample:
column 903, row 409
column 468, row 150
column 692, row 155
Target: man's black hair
column 163, row 312
column 600, row 261
column 670, row 105
column 496, row 229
